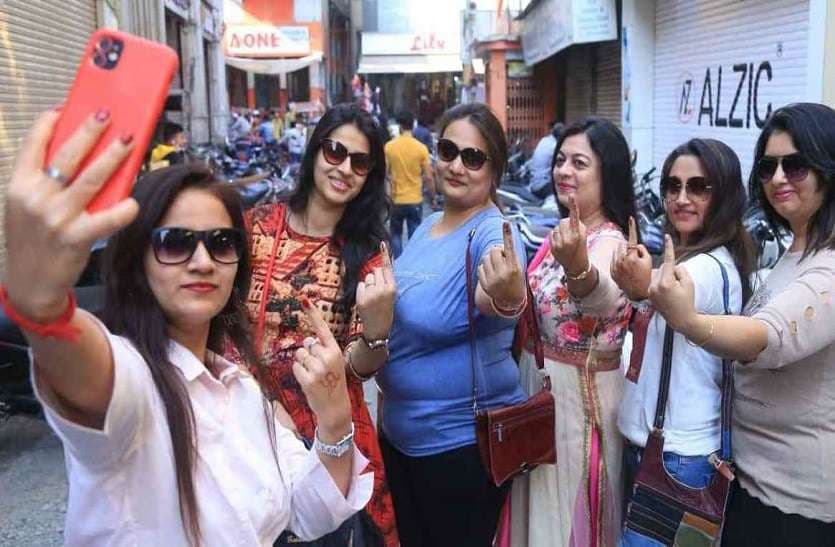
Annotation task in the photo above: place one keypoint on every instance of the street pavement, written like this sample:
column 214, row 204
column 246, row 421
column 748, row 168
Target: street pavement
column 33, row 485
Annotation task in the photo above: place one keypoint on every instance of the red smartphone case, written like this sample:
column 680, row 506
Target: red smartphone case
column 133, row 88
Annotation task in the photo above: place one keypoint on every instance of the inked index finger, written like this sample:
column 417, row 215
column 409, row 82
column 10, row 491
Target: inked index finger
column 384, row 253
column 669, row 251
column 507, row 235
column 633, row 232
column 320, row 327
column 573, row 212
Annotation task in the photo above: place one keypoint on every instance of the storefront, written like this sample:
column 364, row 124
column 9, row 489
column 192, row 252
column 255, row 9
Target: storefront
column 42, row 46
column 722, row 68
column 419, row 72
column 575, row 51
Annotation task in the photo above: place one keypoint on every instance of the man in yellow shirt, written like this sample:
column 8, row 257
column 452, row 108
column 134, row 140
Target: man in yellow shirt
column 409, row 167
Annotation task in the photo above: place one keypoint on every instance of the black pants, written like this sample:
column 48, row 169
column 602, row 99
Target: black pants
column 443, row 500
column 751, row 523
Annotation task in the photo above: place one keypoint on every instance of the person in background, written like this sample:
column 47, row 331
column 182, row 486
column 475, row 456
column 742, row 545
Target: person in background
column 278, row 125
column 421, row 132
column 783, row 344
column 409, row 170
column 442, row 493
column 266, row 129
column 166, row 442
column 543, row 155
column 326, row 245
column 583, row 317
column 170, row 150
column 294, row 139
column 707, row 231
column 239, row 128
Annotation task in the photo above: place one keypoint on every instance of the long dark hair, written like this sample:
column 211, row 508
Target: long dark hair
column 723, row 220
column 812, row 130
column 490, row 128
column 609, row 144
column 131, row 310
column 363, row 224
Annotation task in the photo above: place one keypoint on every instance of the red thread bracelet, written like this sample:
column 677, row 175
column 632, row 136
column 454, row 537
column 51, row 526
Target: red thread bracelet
column 59, row 328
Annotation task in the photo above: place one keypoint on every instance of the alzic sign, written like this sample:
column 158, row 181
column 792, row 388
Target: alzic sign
column 740, row 109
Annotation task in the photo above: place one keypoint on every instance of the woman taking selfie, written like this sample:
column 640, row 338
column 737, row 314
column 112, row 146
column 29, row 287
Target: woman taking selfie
column 442, row 494
column 582, row 316
column 327, row 245
column 167, row 443
column 708, row 235
column 784, row 344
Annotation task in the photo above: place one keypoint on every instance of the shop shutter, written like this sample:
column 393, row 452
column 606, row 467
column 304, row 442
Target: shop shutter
column 607, row 80
column 692, row 37
column 42, row 45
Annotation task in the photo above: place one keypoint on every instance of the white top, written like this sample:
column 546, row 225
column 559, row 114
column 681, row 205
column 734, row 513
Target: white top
column 122, row 485
column 691, row 425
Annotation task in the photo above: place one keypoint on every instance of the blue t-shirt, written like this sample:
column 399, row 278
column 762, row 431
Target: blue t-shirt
column 427, row 383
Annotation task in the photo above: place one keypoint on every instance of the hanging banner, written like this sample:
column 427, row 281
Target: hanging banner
column 553, row 25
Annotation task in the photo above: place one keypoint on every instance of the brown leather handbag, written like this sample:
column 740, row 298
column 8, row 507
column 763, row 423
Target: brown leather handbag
column 514, row 439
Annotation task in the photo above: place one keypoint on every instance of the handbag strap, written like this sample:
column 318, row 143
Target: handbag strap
column 727, row 377
column 530, row 311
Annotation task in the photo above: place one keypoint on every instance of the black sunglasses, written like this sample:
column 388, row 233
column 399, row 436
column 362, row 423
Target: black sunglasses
column 696, row 188
column 177, row 245
column 335, row 153
column 472, row 158
column 795, row 167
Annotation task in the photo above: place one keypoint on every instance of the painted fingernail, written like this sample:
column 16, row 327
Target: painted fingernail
column 126, row 138
column 58, row 107
column 306, row 302
column 102, row 115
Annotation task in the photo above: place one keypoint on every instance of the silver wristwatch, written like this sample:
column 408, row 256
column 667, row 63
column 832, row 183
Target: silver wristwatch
column 335, row 450
column 374, row 345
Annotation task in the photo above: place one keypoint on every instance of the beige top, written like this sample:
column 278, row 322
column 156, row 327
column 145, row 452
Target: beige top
column 784, row 406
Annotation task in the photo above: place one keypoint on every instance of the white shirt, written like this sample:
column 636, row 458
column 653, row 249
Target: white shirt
column 122, row 485
column 691, row 425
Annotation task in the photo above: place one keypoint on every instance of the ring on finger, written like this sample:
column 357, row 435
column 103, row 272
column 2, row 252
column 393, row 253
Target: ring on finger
column 310, row 342
column 55, row 174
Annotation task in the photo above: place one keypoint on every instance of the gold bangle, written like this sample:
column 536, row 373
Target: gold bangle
column 580, row 276
column 511, row 313
column 709, row 335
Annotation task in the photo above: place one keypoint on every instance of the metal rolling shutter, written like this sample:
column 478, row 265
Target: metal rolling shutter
column 43, row 42
column 608, row 78
column 578, row 89
column 694, row 36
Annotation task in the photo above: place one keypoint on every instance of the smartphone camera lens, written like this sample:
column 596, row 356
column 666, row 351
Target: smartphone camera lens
column 107, row 52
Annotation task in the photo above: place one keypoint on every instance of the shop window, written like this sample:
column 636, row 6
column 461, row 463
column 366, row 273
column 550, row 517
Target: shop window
column 236, row 86
column 266, row 90
column 174, row 38
column 298, row 85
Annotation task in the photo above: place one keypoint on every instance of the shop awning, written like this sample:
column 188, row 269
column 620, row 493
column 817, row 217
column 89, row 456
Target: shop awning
column 273, row 66
column 409, row 64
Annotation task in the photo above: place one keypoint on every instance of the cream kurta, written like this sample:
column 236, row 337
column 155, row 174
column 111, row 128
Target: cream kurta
column 551, row 506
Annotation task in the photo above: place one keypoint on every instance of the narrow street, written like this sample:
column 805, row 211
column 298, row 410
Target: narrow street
column 33, row 486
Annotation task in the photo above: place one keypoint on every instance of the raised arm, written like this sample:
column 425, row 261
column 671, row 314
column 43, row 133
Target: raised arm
column 501, row 280
column 672, row 293
column 375, row 307
column 46, row 224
